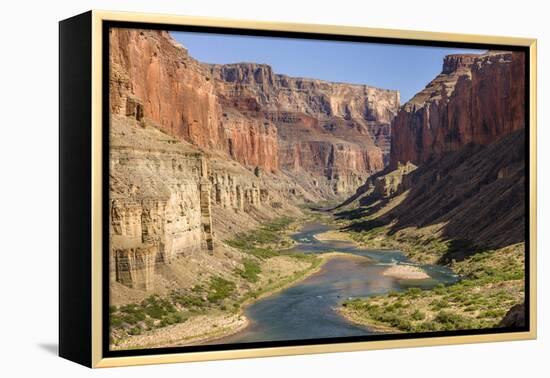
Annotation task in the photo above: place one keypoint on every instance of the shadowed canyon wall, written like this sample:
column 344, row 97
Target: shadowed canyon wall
column 475, row 99
column 457, row 156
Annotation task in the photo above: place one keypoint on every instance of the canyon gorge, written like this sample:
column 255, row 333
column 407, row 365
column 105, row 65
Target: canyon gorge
column 203, row 153
column 265, row 142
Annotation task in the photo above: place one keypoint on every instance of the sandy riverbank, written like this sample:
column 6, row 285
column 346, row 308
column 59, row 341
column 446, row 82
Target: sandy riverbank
column 406, row 272
column 334, row 235
column 198, row 329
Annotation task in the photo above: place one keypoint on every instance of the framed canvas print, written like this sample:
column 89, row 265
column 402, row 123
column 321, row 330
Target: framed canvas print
column 234, row 189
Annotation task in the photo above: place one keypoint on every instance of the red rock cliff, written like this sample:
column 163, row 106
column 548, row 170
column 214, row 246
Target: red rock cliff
column 338, row 132
column 178, row 94
column 334, row 134
column 476, row 98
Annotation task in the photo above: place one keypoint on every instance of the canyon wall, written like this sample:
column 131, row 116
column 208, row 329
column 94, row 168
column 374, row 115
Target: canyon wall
column 457, row 166
column 178, row 94
column 475, row 99
column 338, row 132
column 476, row 193
column 156, row 208
column 170, row 200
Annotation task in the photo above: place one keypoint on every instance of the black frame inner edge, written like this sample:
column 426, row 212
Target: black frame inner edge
column 106, row 25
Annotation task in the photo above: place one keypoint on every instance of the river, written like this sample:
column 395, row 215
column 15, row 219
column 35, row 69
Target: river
column 306, row 310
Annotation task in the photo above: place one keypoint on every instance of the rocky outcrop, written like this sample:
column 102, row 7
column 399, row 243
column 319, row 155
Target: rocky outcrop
column 135, row 267
column 339, row 132
column 156, row 206
column 393, row 182
column 475, row 99
column 169, row 200
column 514, row 318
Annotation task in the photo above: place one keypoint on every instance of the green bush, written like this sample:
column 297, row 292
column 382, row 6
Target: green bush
column 439, row 304
column 134, row 331
column 115, row 321
column 440, row 289
column 220, row 289
column 174, row 318
column 413, row 292
column 492, row 313
column 157, row 307
column 250, row 271
column 257, row 242
column 133, row 318
column 189, row 300
column 451, row 321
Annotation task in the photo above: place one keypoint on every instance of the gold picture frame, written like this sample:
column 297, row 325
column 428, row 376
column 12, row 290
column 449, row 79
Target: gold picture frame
column 88, row 329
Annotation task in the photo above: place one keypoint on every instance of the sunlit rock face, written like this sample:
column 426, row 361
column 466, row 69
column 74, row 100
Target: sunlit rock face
column 475, row 99
column 339, row 132
column 178, row 94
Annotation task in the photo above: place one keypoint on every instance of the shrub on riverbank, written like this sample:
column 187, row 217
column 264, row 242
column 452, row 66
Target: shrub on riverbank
column 250, row 270
column 220, row 289
column 262, row 242
column 493, row 283
column 153, row 312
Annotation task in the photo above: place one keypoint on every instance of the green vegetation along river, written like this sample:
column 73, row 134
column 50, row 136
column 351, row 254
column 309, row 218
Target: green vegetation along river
column 307, row 310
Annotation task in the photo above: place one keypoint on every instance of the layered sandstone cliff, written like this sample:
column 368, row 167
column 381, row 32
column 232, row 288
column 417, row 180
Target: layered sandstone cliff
column 178, row 94
column 169, row 200
column 156, row 209
column 319, row 98
column 475, row 99
column 338, row 132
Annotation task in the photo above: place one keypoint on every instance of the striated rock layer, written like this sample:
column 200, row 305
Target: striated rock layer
column 333, row 134
column 178, row 94
column 169, row 200
column 475, row 99
column 339, row 133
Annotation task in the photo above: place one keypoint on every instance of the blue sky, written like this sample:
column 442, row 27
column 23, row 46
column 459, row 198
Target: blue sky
column 405, row 68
